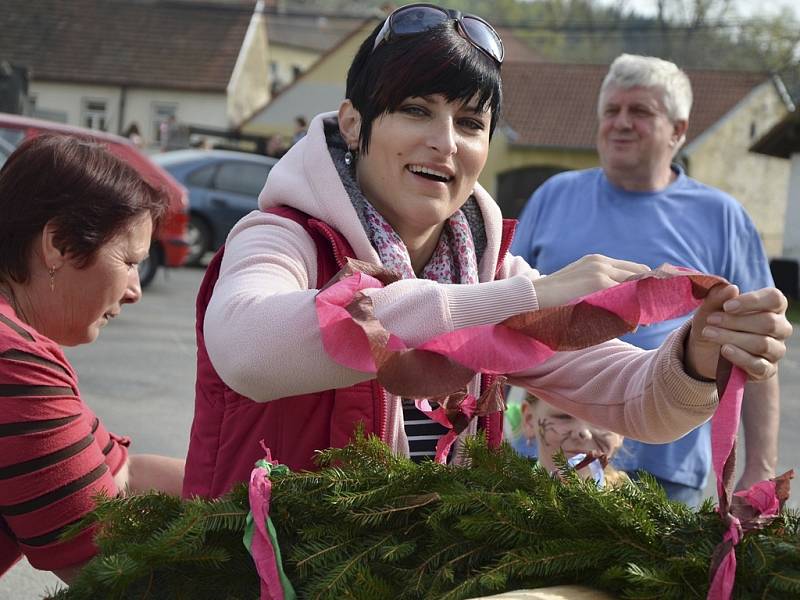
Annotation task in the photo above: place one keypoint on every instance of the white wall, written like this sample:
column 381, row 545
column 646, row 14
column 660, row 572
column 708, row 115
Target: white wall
column 192, row 108
column 307, row 98
column 285, row 58
column 68, row 99
column 791, row 234
column 720, row 157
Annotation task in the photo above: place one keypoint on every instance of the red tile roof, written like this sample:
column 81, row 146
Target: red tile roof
column 555, row 105
column 190, row 46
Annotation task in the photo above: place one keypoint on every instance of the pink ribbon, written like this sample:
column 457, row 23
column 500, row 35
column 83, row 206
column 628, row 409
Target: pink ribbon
column 745, row 510
column 467, row 408
column 354, row 337
column 724, row 427
column 261, row 548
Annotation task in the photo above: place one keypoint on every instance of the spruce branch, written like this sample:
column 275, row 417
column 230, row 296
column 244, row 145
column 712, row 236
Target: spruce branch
column 372, row 525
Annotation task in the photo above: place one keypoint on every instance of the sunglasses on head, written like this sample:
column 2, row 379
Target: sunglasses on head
column 418, row 18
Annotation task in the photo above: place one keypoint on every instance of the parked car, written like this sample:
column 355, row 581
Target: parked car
column 169, row 247
column 5, row 151
column 223, row 187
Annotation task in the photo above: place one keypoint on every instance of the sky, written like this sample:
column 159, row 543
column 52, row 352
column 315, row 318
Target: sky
column 744, row 8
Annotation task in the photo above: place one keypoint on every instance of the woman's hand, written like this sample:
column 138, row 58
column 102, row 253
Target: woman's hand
column 751, row 329
column 589, row 274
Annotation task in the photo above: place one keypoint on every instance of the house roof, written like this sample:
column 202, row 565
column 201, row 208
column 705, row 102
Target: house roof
column 318, row 64
column 516, row 51
column 310, row 31
column 554, row 105
column 145, row 43
column 783, row 139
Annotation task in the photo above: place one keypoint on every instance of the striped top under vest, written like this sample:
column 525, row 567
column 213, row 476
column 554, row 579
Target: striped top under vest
column 423, row 433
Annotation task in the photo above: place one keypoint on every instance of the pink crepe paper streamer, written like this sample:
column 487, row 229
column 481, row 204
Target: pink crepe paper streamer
column 262, row 546
column 724, row 427
column 752, row 508
column 763, row 497
column 467, row 408
column 493, row 349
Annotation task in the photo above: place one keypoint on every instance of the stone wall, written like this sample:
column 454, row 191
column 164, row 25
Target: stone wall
column 720, row 157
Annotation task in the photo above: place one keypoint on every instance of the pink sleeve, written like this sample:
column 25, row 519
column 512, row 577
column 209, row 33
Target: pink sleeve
column 261, row 328
column 644, row 395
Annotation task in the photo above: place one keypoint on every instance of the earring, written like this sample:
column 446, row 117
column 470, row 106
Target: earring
column 349, row 157
column 52, row 272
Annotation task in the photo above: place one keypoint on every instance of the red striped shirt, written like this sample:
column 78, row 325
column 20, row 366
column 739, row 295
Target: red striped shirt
column 55, row 455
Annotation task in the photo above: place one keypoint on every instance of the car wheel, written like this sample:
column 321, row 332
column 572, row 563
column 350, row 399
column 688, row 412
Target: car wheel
column 149, row 266
column 199, row 238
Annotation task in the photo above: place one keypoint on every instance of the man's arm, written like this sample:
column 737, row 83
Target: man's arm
column 760, row 419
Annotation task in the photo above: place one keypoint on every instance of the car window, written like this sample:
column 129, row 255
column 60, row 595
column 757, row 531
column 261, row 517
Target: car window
column 5, row 151
column 11, row 135
column 202, row 177
column 242, row 178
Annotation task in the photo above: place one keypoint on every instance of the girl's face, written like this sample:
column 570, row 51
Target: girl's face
column 423, row 161
column 557, row 430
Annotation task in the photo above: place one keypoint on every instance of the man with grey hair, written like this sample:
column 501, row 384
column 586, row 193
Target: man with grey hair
column 641, row 206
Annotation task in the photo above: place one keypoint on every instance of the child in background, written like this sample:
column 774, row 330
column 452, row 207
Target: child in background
column 540, row 430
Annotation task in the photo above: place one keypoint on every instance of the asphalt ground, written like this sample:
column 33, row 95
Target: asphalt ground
column 139, row 379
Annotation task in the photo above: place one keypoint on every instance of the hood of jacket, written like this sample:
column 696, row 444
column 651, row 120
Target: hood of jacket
column 307, row 179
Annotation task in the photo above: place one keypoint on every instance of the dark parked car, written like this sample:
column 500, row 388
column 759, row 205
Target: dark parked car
column 223, row 187
column 169, row 247
column 5, row 150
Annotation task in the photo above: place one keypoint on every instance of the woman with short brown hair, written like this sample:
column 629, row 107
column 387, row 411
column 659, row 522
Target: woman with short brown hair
column 75, row 221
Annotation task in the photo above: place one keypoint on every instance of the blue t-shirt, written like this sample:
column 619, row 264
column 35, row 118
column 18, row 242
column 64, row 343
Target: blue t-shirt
column 687, row 224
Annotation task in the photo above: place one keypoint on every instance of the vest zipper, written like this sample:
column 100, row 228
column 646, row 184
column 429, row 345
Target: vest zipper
column 384, row 408
column 340, row 258
column 331, row 236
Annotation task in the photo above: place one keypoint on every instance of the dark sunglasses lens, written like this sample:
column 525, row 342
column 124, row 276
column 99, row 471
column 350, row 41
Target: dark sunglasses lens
column 416, row 19
column 483, row 35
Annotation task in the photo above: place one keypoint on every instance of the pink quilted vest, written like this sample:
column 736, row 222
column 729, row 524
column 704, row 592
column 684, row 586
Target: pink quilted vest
column 228, row 427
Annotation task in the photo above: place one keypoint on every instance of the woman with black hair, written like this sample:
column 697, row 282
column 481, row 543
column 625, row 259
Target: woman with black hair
column 391, row 179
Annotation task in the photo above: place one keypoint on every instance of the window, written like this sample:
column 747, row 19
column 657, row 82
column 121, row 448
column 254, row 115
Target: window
column 242, row 178
column 275, row 80
column 296, row 71
column 161, row 113
column 202, row 177
column 12, row 136
column 94, row 114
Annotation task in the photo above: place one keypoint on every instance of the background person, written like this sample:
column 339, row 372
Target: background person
column 300, row 129
column 276, row 146
column 134, row 135
column 543, row 430
column 392, row 177
column 74, row 223
column 641, row 206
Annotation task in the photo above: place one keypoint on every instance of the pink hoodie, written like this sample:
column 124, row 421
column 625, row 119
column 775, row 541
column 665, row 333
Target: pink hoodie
column 263, row 338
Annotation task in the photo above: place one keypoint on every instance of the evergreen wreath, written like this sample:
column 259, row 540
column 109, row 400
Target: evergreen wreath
column 371, row 525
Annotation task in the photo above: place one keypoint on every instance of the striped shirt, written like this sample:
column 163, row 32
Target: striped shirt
column 422, row 432
column 55, row 455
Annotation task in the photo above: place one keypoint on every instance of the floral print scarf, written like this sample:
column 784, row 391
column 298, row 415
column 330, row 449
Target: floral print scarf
column 453, row 261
